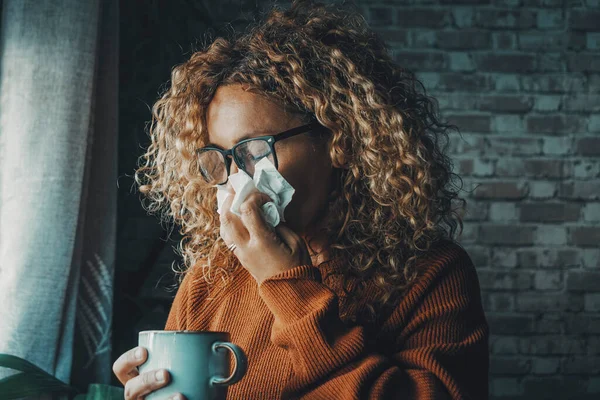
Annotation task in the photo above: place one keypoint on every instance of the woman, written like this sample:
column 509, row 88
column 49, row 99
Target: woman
column 362, row 291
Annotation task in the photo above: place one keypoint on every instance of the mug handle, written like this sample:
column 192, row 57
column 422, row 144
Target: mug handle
column 241, row 364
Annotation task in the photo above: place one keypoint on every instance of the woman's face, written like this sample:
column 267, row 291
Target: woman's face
column 304, row 163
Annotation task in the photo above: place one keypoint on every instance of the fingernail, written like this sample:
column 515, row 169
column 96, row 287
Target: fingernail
column 175, row 397
column 160, row 376
column 138, row 353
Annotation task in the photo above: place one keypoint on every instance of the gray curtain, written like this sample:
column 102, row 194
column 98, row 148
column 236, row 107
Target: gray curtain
column 58, row 166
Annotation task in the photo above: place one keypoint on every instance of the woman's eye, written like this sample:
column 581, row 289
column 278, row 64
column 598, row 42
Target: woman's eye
column 257, row 158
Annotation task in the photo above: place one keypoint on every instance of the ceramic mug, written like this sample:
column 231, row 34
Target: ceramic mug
column 197, row 361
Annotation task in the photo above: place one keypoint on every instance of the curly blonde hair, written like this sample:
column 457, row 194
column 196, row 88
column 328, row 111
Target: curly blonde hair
column 394, row 195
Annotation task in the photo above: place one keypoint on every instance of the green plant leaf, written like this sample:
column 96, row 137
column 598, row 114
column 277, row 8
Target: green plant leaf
column 98, row 391
column 28, row 384
column 20, row 364
column 31, row 380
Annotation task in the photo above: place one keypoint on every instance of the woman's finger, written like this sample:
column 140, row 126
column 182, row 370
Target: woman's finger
column 251, row 215
column 232, row 229
column 125, row 366
column 226, row 206
column 294, row 242
column 146, row 383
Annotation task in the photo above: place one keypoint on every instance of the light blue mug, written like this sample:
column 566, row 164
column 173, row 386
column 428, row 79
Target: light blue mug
column 197, row 361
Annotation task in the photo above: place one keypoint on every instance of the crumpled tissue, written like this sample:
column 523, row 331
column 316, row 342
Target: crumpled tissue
column 267, row 180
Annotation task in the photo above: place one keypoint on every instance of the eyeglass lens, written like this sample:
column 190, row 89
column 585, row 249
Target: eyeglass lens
column 246, row 155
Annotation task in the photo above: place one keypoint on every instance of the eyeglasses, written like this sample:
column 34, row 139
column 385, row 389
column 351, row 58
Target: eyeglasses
column 215, row 163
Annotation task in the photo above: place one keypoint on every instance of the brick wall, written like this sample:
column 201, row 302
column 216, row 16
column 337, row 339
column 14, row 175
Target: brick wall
column 521, row 79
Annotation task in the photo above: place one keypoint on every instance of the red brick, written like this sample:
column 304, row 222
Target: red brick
column 509, row 365
column 502, row 280
column 588, row 146
column 549, row 212
column 581, row 366
column 507, row 234
column 594, row 345
column 501, row 190
column 547, row 258
column 465, row 39
column 512, row 146
column 583, row 62
column 550, row 323
column 585, row 236
column 583, row 281
column 476, row 211
column 504, row 344
column 521, row 63
column 553, row 83
column 500, row 302
column 506, row 103
column 555, row 387
column 421, row 60
column 480, row 255
column 464, row 82
column 583, row 323
column 576, row 41
column 380, row 16
column 546, row 168
column 584, row 20
column 471, row 123
column 423, row 18
column 509, row 324
column 504, row 40
column 465, row 167
column 465, row 145
column 536, row 41
column 547, row 302
column 399, row 37
column 552, row 345
column 454, row 2
column 456, row 101
column 502, row 19
column 504, row 388
column 555, row 124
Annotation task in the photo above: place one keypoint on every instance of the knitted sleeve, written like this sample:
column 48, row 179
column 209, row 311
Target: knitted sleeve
column 440, row 331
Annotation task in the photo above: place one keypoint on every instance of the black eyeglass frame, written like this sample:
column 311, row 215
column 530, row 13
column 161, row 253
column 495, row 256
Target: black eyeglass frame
column 270, row 139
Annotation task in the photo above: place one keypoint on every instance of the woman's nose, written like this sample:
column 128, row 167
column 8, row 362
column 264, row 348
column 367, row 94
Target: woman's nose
column 233, row 169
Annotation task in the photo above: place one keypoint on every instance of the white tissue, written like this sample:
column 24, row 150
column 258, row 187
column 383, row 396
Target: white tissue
column 267, row 180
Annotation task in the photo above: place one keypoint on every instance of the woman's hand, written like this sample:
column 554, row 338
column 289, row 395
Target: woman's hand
column 264, row 251
column 136, row 385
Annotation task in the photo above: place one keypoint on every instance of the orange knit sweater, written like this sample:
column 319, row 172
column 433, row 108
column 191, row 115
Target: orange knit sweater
column 297, row 331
